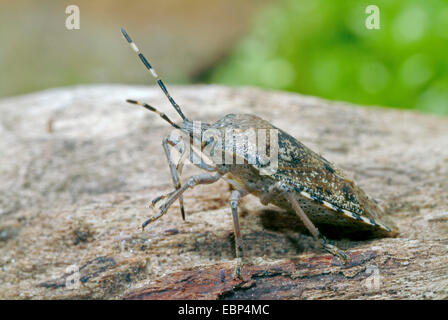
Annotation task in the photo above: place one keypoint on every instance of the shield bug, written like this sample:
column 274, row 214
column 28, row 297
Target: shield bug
column 301, row 181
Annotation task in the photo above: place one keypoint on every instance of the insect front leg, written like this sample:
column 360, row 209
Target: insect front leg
column 203, row 178
column 174, row 169
column 163, row 196
column 313, row 230
column 234, row 201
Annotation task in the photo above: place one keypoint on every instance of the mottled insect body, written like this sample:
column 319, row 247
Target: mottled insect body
column 302, row 182
column 329, row 198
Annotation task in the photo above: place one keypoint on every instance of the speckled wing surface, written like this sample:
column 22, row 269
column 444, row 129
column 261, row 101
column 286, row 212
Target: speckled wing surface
column 318, row 180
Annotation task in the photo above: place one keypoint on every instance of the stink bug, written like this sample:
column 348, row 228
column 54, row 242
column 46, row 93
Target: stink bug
column 303, row 182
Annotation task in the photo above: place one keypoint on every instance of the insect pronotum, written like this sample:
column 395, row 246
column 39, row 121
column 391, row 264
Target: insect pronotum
column 302, row 182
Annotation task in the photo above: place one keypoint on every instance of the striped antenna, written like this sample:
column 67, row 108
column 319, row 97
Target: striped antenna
column 153, row 72
column 151, row 108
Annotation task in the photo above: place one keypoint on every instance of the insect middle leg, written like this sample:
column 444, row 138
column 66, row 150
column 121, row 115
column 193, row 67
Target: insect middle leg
column 203, row 178
column 234, row 201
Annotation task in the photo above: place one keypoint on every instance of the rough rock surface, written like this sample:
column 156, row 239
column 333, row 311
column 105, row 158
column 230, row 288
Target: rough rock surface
column 78, row 166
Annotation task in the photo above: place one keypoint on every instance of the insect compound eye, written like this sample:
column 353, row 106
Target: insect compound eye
column 210, row 140
column 212, row 143
column 207, row 141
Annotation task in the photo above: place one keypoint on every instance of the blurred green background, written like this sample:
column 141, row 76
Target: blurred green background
column 323, row 48
column 319, row 47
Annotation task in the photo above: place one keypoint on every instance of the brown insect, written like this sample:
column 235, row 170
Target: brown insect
column 297, row 179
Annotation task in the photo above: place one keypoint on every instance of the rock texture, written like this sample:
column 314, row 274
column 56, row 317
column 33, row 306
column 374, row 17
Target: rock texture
column 78, row 166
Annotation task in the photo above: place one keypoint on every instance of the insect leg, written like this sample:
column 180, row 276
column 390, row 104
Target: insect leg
column 313, row 230
column 163, row 196
column 174, row 169
column 234, row 201
column 203, row 178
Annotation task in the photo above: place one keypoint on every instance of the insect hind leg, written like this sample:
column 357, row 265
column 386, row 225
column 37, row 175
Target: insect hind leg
column 313, row 230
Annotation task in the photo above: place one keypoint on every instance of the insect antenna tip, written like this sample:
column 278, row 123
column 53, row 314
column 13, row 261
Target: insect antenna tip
column 125, row 34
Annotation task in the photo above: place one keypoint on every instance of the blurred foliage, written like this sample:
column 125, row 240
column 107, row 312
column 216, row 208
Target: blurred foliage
column 323, row 48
